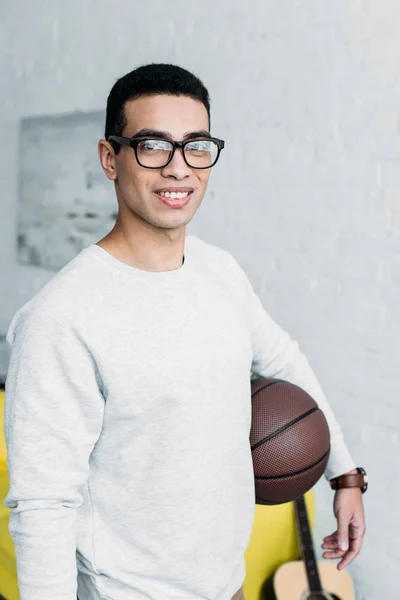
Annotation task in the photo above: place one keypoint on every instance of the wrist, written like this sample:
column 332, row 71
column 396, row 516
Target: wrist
column 356, row 478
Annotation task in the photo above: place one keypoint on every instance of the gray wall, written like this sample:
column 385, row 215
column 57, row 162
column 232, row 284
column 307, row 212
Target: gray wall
column 306, row 194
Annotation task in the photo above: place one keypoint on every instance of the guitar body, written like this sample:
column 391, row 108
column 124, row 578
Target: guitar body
column 290, row 583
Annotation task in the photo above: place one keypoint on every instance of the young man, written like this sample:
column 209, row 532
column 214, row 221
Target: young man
column 128, row 399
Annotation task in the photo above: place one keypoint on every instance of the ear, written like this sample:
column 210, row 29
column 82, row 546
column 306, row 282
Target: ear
column 107, row 158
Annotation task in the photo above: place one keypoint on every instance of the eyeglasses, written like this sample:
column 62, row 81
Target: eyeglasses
column 157, row 153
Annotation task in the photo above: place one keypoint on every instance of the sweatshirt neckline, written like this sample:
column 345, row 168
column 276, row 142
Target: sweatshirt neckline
column 119, row 265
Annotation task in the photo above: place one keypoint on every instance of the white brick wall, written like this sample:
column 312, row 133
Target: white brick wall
column 306, row 195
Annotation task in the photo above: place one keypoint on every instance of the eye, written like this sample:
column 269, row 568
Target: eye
column 200, row 146
column 154, row 145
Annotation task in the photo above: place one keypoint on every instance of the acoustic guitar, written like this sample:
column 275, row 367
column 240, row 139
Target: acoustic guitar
column 306, row 579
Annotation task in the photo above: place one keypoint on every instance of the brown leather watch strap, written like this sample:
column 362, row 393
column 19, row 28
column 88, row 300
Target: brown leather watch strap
column 348, row 481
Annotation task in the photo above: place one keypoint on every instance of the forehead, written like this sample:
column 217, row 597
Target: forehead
column 174, row 114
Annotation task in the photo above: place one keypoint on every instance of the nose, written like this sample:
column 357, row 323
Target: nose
column 177, row 167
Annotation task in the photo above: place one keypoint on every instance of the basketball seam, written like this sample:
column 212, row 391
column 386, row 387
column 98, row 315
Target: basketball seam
column 293, row 422
column 296, row 472
column 267, row 385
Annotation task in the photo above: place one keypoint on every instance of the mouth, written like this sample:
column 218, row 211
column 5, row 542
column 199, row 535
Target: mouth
column 174, row 199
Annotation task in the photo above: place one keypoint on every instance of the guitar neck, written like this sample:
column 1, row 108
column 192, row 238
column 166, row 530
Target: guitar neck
column 306, row 545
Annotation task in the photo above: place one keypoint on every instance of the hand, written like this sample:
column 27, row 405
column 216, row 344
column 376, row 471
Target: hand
column 347, row 540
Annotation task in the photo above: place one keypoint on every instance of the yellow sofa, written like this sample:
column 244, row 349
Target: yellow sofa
column 273, row 539
column 8, row 574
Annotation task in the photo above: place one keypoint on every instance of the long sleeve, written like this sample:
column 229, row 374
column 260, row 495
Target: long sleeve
column 277, row 355
column 53, row 417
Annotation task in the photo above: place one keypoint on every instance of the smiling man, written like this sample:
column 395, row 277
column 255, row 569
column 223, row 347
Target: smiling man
column 128, row 394
column 159, row 153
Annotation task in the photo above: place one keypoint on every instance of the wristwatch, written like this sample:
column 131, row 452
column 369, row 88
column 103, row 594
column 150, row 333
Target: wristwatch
column 347, row 481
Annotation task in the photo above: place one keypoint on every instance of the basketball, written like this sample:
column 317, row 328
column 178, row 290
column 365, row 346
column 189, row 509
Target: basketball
column 289, row 439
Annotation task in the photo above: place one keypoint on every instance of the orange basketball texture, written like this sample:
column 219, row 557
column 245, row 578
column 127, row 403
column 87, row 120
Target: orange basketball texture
column 289, row 439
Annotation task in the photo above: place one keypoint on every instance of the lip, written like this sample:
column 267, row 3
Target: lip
column 174, row 189
column 175, row 202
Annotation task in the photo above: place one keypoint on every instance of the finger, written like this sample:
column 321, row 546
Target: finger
column 355, row 547
column 329, row 545
column 333, row 555
column 332, row 535
column 330, row 542
column 343, row 533
column 346, row 560
column 330, row 538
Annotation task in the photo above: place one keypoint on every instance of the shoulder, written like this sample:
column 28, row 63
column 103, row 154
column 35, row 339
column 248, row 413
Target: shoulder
column 209, row 251
column 74, row 298
column 218, row 258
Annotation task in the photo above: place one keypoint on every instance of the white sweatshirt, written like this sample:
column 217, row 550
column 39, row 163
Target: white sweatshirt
column 127, row 422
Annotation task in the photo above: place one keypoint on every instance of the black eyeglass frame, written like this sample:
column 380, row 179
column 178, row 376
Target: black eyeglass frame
column 134, row 142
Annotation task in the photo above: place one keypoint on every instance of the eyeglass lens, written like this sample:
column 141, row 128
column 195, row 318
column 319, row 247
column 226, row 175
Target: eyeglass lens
column 156, row 153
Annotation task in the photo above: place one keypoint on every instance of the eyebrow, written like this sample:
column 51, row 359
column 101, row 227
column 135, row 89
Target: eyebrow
column 189, row 135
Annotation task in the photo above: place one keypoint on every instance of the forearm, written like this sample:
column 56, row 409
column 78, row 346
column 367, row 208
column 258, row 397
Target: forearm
column 45, row 549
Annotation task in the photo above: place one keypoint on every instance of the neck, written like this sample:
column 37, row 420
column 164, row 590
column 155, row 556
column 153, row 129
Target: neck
column 143, row 252
column 306, row 545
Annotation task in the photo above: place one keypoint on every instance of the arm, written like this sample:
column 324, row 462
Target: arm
column 53, row 417
column 276, row 355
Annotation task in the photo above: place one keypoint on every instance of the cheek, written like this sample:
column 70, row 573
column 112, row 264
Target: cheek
column 131, row 176
column 203, row 178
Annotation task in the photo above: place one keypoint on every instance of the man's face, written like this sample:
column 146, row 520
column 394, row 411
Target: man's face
column 135, row 185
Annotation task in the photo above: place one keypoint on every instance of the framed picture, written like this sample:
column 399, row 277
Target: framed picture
column 65, row 200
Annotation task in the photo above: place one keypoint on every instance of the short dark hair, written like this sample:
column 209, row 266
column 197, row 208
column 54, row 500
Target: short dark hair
column 149, row 80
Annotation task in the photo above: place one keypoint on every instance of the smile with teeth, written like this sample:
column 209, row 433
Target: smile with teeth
column 173, row 194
